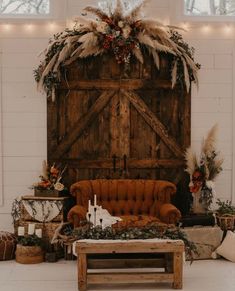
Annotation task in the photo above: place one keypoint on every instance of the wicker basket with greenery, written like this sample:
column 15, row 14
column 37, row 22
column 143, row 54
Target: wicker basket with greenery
column 225, row 215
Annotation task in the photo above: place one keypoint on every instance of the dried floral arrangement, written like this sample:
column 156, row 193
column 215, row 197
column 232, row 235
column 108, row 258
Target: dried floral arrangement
column 205, row 169
column 50, row 178
column 122, row 33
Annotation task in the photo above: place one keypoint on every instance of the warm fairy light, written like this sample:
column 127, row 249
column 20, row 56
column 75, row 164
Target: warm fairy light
column 7, row 27
column 206, row 28
column 185, row 26
column 29, row 27
column 228, row 29
column 52, row 26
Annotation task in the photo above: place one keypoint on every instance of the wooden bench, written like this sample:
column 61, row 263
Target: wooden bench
column 172, row 262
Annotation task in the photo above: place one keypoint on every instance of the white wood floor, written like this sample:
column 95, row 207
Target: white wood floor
column 209, row 275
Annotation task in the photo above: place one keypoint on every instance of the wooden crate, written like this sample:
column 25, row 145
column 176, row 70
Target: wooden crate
column 47, row 193
column 62, row 216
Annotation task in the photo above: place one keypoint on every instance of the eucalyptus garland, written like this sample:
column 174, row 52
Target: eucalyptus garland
column 147, row 232
column 16, row 210
column 123, row 34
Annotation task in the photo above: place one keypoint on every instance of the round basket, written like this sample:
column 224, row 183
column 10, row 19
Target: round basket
column 226, row 221
column 29, row 254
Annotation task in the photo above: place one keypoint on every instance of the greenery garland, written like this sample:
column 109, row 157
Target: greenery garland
column 147, row 232
column 29, row 240
column 123, row 34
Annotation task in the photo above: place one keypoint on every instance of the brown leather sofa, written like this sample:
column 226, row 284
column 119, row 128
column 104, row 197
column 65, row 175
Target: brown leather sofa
column 137, row 202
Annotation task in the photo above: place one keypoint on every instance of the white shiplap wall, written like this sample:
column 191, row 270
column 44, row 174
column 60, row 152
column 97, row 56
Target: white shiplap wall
column 24, row 109
column 23, row 112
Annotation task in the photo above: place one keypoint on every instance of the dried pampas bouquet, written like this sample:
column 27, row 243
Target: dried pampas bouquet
column 205, row 169
column 123, row 33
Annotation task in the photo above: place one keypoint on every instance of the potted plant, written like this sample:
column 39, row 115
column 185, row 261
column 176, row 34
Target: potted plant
column 225, row 215
column 29, row 250
column 50, row 182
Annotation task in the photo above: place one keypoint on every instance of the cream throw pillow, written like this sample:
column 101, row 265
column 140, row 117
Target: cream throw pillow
column 227, row 248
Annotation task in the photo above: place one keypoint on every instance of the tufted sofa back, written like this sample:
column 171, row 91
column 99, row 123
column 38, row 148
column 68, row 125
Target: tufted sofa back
column 125, row 197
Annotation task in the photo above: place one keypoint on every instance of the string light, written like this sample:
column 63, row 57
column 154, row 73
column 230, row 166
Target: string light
column 29, row 27
column 206, row 28
column 7, row 27
column 53, row 26
column 228, row 29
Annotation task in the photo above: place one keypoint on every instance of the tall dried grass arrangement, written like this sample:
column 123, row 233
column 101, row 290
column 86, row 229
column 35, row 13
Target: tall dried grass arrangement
column 210, row 161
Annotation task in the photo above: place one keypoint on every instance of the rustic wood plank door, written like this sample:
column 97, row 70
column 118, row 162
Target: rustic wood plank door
column 106, row 123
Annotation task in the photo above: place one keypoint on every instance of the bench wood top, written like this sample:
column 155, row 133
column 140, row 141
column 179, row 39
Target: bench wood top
column 129, row 246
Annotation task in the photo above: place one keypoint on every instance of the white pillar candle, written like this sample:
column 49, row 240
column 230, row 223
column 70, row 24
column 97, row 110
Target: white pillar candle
column 89, row 206
column 31, row 228
column 38, row 232
column 95, row 200
column 21, row 231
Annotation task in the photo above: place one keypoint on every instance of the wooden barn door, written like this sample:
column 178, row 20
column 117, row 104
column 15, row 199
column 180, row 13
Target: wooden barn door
column 106, row 124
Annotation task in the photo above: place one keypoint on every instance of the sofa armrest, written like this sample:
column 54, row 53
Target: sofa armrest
column 164, row 191
column 76, row 215
column 169, row 213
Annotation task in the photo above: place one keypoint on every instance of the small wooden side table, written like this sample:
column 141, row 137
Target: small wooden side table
column 173, row 262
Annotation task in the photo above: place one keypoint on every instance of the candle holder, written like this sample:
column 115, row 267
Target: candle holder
column 95, row 209
column 89, row 220
column 101, row 220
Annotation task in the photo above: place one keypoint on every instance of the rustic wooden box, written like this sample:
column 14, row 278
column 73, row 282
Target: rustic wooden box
column 62, row 216
column 48, row 193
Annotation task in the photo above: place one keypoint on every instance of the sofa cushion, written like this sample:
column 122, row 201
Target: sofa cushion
column 138, row 221
column 227, row 248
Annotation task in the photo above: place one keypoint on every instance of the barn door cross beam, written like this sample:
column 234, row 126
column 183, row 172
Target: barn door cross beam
column 153, row 122
column 81, row 125
column 132, row 163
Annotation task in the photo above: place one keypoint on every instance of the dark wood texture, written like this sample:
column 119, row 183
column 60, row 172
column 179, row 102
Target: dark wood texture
column 109, row 123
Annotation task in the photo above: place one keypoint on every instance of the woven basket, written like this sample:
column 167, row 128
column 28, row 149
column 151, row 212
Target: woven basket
column 226, row 221
column 29, row 254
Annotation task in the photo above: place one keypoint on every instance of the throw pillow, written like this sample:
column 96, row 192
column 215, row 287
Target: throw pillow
column 227, row 248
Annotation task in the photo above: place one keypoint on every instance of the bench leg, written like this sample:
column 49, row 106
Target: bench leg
column 82, row 272
column 169, row 262
column 178, row 270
